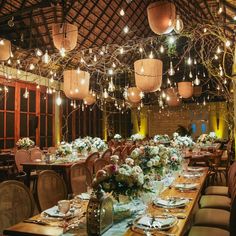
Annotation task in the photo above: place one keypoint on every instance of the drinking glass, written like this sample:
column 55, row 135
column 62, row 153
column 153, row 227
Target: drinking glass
column 64, row 206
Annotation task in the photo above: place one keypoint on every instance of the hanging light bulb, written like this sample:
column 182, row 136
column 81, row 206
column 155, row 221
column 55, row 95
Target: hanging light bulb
column 51, row 80
column 121, row 50
column 6, row 89
column 71, row 103
column 218, row 87
column 205, row 30
column 189, row 61
column 46, row 58
column 168, row 81
column 161, row 49
column 122, row 12
column 95, row 58
column 2, row 42
column 38, row 52
column 163, row 94
column 111, row 86
column 38, row 86
column 9, row 62
column 82, row 60
column 171, row 39
column 105, row 94
column 31, row 67
column 216, row 57
column 227, row 43
column 126, row 29
column 140, row 49
column 179, row 25
column 151, row 55
column 190, row 74
column 113, row 65
column 218, row 50
column 220, row 10
column 204, row 102
column 195, row 61
column 197, row 81
column 110, row 72
column 171, row 70
column 58, row 99
column 208, row 97
column 74, row 105
column 26, row 93
column 63, row 52
column 225, row 81
column 221, row 73
column 78, row 70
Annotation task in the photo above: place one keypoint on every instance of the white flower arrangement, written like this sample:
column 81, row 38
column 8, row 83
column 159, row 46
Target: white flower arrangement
column 137, row 137
column 161, row 138
column 99, row 145
column 64, row 149
column 81, row 145
column 207, row 138
column 117, row 137
column 181, row 141
column 25, row 143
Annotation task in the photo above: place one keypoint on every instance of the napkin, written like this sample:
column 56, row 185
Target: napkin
column 171, row 202
column 157, row 222
column 54, row 212
column 192, row 175
column 195, row 169
column 84, row 196
column 187, row 185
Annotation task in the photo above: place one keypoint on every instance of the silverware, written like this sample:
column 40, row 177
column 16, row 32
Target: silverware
column 38, row 222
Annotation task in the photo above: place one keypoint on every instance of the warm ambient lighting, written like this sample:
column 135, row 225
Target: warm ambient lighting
column 122, row 12
column 46, row 58
column 179, row 25
column 126, row 29
column 58, row 99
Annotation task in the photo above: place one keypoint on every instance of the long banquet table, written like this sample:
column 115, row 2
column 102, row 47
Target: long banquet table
column 119, row 229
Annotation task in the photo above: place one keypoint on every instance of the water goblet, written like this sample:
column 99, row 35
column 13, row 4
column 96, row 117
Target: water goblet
column 63, row 206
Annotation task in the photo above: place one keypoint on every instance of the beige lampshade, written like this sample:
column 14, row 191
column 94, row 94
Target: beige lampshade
column 185, row 89
column 161, row 17
column 134, row 94
column 76, row 85
column 5, row 50
column 197, row 91
column 148, row 74
column 64, row 36
column 89, row 99
column 173, row 100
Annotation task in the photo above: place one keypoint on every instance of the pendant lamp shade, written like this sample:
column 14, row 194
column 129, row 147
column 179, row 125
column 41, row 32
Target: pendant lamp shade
column 161, row 17
column 134, row 94
column 64, row 36
column 185, row 89
column 5, row 50
column 148, row 74
column 89, row 99
column 197, row 91
column 173, row 99
column 76, row 85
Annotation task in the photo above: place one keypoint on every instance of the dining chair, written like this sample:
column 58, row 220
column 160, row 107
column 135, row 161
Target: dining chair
column 52, row 150
column 124, row 153
column 90, row 161
column 99, row 164
column 80, row 178
column 36, row 154
column 50, row 189
column 107, row 155
column 16, row 203
column 131, row 149
column 21, row 156
column 117, row 151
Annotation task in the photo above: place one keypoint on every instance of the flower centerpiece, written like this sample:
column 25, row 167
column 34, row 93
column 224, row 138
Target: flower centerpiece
column 125, row 179
column 64, row 149
column 181, row 142
column 82, row 145
column 25, row 143
column 161, row 138
column 99, row 145
column 137, row 137
column 117, row 137
column 174, row 159
column 151, row 159
column 207, row 138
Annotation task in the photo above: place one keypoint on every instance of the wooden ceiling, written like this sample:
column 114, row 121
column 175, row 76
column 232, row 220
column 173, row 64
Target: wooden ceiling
column 99, row 21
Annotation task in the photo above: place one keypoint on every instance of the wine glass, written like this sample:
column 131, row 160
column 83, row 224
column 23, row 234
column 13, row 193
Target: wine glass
column 63, row 206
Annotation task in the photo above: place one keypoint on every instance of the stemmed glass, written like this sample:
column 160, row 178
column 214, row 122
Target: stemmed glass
column 64, row 207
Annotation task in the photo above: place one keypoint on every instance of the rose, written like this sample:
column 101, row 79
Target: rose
column 110, row 169
column 115, row 159
column 149, row 163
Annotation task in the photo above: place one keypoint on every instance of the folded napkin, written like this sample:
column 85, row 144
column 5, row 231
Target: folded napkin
column 192, row 174
column 172, row 202
column 187, row 185
column 54, row 212
column 156, row 222
column 84, row 196
column 195, row 169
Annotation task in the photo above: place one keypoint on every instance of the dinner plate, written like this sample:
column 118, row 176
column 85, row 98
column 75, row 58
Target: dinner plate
column 160, row 222
column 195, row 169
column 172, row 202
column 186, row 186
column 190, row 174
column 83, row 196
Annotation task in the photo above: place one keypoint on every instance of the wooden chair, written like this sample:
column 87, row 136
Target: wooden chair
column 51, row 188
column 16, row 203
column 90, row 161
column 99, row 164
column 107, row 155
column 117, row 151
column 21, row 156
column 80, row 178
column 52, row 150
column 124, row 153
column 36, row 154
column 131, row 149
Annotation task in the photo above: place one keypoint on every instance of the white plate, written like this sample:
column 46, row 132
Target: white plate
column 186, row 186
column 83, row 196
column 192, row 174
column 162, row 222
column 196, row 169
column 172, row 202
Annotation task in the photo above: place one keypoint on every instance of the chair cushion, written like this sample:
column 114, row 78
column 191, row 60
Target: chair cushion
column 215, row 201
column 207, row 231
column 217, row 190
column 213, row 218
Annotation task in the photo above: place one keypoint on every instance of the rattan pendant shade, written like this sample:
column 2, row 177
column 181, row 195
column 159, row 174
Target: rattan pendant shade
column 148, row 74
column 161, row 17
column 64, row 36
column 76, row 85
column 89, row 99
column 5, row 50
column 185, row 89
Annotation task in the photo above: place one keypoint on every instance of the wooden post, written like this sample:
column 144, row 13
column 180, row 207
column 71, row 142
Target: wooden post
column 234, row 95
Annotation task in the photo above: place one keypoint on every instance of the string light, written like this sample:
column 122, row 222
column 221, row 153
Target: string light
column 105, row 94
column 63, row 52
column 122, row 12
column 161, row 49
column 26, row 93
column 179, row 25
column 111, row 86
column 38, row 86
column 227, row 43
column 218, row 50
column 38, row 52
column 126, row 29
column 58, row 99
column 171, row 70
column 78, row 70
column 171, row 39
column 31, row 67
column 140, row 49
column 110, row 71
column 151, row 55
column 190, row 74
column 46, row 58
column 95, row 58
column 205, row 30
column 113, row 65
column 121, row 50
column 197, row 81
column 189, row 61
